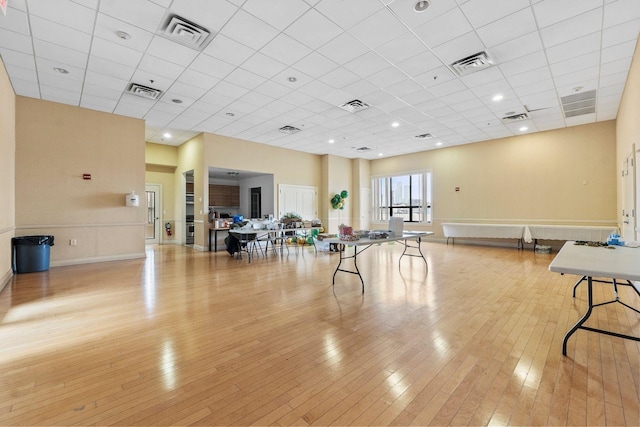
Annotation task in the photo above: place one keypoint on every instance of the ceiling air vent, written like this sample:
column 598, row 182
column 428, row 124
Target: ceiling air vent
column 143, row 91
column 473, row 63
column 515, row 118
column 579, row 104
column 355, row 106
column 185, row 32
column 289, row 129
column 363, row 149
column 424, row 136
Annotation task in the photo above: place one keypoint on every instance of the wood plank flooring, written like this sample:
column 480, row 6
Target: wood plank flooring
column 190, row 338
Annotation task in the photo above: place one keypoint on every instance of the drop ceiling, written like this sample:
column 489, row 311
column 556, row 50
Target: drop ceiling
column 247, row 69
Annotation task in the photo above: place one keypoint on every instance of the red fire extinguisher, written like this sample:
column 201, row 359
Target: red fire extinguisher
column 167, row 227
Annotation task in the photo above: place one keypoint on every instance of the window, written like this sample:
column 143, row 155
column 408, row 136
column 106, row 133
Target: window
column 405, row 196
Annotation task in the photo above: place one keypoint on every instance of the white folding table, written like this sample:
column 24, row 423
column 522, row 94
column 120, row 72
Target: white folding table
column 366, row 243
column 611, row 262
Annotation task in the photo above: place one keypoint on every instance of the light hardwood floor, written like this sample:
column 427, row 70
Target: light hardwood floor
column 185, row 337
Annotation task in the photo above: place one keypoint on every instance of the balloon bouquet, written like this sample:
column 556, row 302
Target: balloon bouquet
column 338, row 200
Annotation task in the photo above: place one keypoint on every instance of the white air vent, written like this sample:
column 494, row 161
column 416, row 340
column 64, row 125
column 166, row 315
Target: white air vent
column 355, row 106
column 185, row 32
column 424, row 136
column 473, row 63
column 143, row 91
column 289, row 129
column 515, row 118
column 579, row 104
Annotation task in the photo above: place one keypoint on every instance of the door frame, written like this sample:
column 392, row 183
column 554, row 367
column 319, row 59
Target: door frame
column 157, row 189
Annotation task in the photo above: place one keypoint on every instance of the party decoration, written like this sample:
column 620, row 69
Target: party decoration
column 338, row 200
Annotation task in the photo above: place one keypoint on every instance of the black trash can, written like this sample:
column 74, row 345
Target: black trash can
column 31, row 253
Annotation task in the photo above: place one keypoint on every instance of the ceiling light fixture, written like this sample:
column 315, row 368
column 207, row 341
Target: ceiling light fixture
column 524, row 129
column 292, row 79
column 331, row 141
column 395, row 124
column 166, row 135
column 380, row 154
column 176, row 101
column 229, row 114
column 123, row 35
column 421, row 6
column 439, row 143
column 233, row 173
column 60, row 70
column 498, row 97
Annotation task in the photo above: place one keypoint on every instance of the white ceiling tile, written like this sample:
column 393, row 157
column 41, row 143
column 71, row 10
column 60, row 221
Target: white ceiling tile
column 515, row 25
column 447, row 27
column 516, row 48
column 160, row 67
column 367, row 64
column 461, row 47
column 171, row 51
column 60, row 34
column 620, row 11
column 402, row 48
column 614, row 67
column 60, row 11
column 315, row 65
column 313, row 29
column 114, row 52
column 212, row 67
column 580, row 46
column 225, row 49
column 524, row 63
column 17, row 42
column 273, row 89
column 339, row 78
column 387, row 77
column 347, row 14
column 447, row 88
column 617, row 52
column 625, row 32
column 483, row 12
column 277, row 13
column 578, row 63
column 263, row 65
column 573, row 28
column 549, row 12
column 404, row 87
column 528, row 77
column 368, row 30
column 482, row 77
column 539, row 86
column 343, row 48
column 18, row 23
column 141, row 13
column 107, row 27
column 116, row 85
column 613, row 79
column 420, row 63
column 229, row 89
column 404, row 10
column 576, row 78
column 198, row 79
column 236, row 29
column 285, row 49
column 436, row 76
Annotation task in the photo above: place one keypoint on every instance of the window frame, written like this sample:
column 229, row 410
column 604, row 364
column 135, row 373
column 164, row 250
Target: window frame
column 382, row 212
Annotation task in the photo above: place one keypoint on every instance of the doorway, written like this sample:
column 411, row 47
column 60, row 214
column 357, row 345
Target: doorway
column 256, row 202
column 153, row 196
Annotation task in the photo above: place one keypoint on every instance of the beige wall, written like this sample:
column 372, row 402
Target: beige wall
column 628, row 123
column 55, row 145
column 565, row 176
column 190, row 158
column 337, row 176
column 7, row 174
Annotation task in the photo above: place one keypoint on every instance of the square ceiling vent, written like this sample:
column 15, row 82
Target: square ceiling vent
column 579, row 104
column 289, row 129
column 515, row 118
column 355, row 106
column 185, row 32
column 473, row 63
column 143, row 91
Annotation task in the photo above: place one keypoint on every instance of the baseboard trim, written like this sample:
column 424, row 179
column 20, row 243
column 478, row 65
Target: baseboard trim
column 6, row 278
column 91, row 260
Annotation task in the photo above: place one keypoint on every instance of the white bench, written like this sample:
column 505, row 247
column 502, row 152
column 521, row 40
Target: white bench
column 487, row 231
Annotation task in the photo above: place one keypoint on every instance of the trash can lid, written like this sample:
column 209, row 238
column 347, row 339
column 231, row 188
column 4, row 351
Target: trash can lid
column 32, row 240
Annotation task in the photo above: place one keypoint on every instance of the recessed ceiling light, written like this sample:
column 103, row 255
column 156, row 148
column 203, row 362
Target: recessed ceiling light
column 524, row 129
column 380, row 154
column 578, row 88
column 60, row 70
column 331, row 141
column 439, row 143
column 421, row 6
column 395, row 124
column 176, row 101
column 166, row 135
column 292, row 79
column 123, row 35
column 229, row 114
column 498, row 97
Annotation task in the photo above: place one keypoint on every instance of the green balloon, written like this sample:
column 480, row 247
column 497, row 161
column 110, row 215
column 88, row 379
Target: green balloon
column 344, row 194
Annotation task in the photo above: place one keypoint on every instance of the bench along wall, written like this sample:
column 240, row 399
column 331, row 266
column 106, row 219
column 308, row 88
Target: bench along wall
column 565, row 176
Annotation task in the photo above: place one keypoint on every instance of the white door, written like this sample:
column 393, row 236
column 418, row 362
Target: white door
column 299, row 199
column 628, row 198
column 365, row 208
column 154, row 208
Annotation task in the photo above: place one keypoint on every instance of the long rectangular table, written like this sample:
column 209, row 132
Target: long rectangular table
column 452, row 230
column 568, row 232
column 247, row 237
column 366, row 243
column 611, row 262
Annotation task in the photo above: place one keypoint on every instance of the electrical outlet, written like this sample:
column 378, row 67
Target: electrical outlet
column 73, row 242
